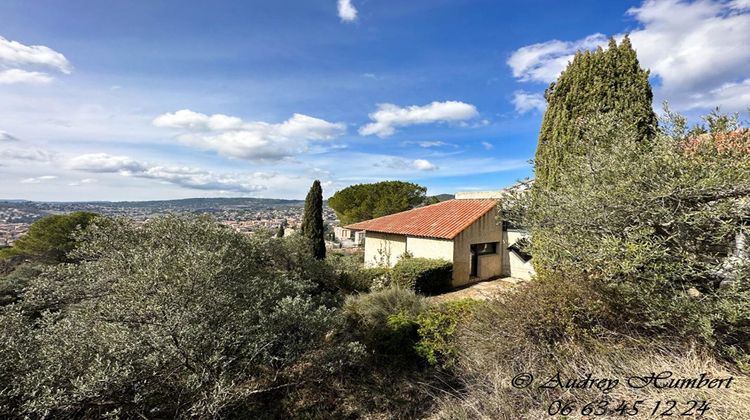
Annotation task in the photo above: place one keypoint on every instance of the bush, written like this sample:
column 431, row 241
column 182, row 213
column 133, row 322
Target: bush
column 12, row 285
column 353, row 275
column 385, row 321
column 423, row 275
column 398, row 322
column 437, row 328
column 178, row 318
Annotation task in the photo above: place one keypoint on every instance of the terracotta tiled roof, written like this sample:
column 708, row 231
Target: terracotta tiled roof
column 737, row 141
column 442, row 220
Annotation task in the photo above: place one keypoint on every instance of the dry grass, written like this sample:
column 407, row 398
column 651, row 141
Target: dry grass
column 493, row 352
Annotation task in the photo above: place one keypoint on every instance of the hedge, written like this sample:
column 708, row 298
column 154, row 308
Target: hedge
column 423, row 275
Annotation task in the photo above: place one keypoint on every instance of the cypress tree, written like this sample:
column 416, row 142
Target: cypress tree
column 312, row 221
column 595, row 82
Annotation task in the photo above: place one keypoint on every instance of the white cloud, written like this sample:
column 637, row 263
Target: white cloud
column 5, row 136
column 694, row 48
column 487, row 145
column 178, row 175
column 526, row 101
column 38, row 179
column 697, row 50
column 83, row 181
column 733, row 96
column 373, row 167
column 389, row 116
column 189, row 120
column 428, row 144
column 105, row 163
column 423, row 165
column 200, row 179
column 16, row 54
column 13, row 76
column 235, row 138
column 347, row 11
column 544, row 61
column 30, row 155
column 406, row 165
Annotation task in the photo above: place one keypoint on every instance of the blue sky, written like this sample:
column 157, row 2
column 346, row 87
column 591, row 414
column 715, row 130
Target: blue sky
column 172, row 99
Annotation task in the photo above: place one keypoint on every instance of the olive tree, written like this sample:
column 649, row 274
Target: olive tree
column 178, row 317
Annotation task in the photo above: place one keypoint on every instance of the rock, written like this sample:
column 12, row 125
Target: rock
column 726, row 284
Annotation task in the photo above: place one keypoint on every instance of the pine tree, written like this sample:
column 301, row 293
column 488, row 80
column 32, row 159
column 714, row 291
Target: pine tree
column 312, row 221
column 595, row 83
column 280, row 231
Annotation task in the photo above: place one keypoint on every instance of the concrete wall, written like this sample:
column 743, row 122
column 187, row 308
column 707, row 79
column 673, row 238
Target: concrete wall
column 483, row 230
column 383, row 248
column 513, row 265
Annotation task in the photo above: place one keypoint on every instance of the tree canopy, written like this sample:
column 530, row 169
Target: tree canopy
column 595, row 82
column 368, row 201
column 50, row 238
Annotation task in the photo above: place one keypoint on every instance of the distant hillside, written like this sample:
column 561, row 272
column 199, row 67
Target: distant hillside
column 197, row 203
column 185, row 203
column 443, row 197
column 21, row 211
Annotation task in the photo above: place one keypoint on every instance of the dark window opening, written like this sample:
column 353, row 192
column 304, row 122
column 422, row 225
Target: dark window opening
column 474, row 264
column 484, row 249
column 521, row 248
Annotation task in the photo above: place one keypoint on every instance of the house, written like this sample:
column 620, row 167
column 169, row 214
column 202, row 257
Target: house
column 349, row 238
column 464, row 230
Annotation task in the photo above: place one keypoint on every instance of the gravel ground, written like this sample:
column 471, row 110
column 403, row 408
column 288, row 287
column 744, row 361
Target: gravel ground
column 482, row 290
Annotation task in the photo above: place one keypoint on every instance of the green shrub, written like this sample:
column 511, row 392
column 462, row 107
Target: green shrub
column 177, row 318
column 398, row 322
column 353, row 275
column 423, row 275
column 12, row 285
column 384, row 321
column 437, row 328
column 544, row 312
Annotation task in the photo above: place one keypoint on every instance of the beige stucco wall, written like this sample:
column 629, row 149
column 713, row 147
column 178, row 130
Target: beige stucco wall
column 393, row 246
column 430, row 248
column 483, row 230
column 514, row 266
column 383, row 248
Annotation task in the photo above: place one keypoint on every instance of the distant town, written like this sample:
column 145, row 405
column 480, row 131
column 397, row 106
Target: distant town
column 246, row 215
